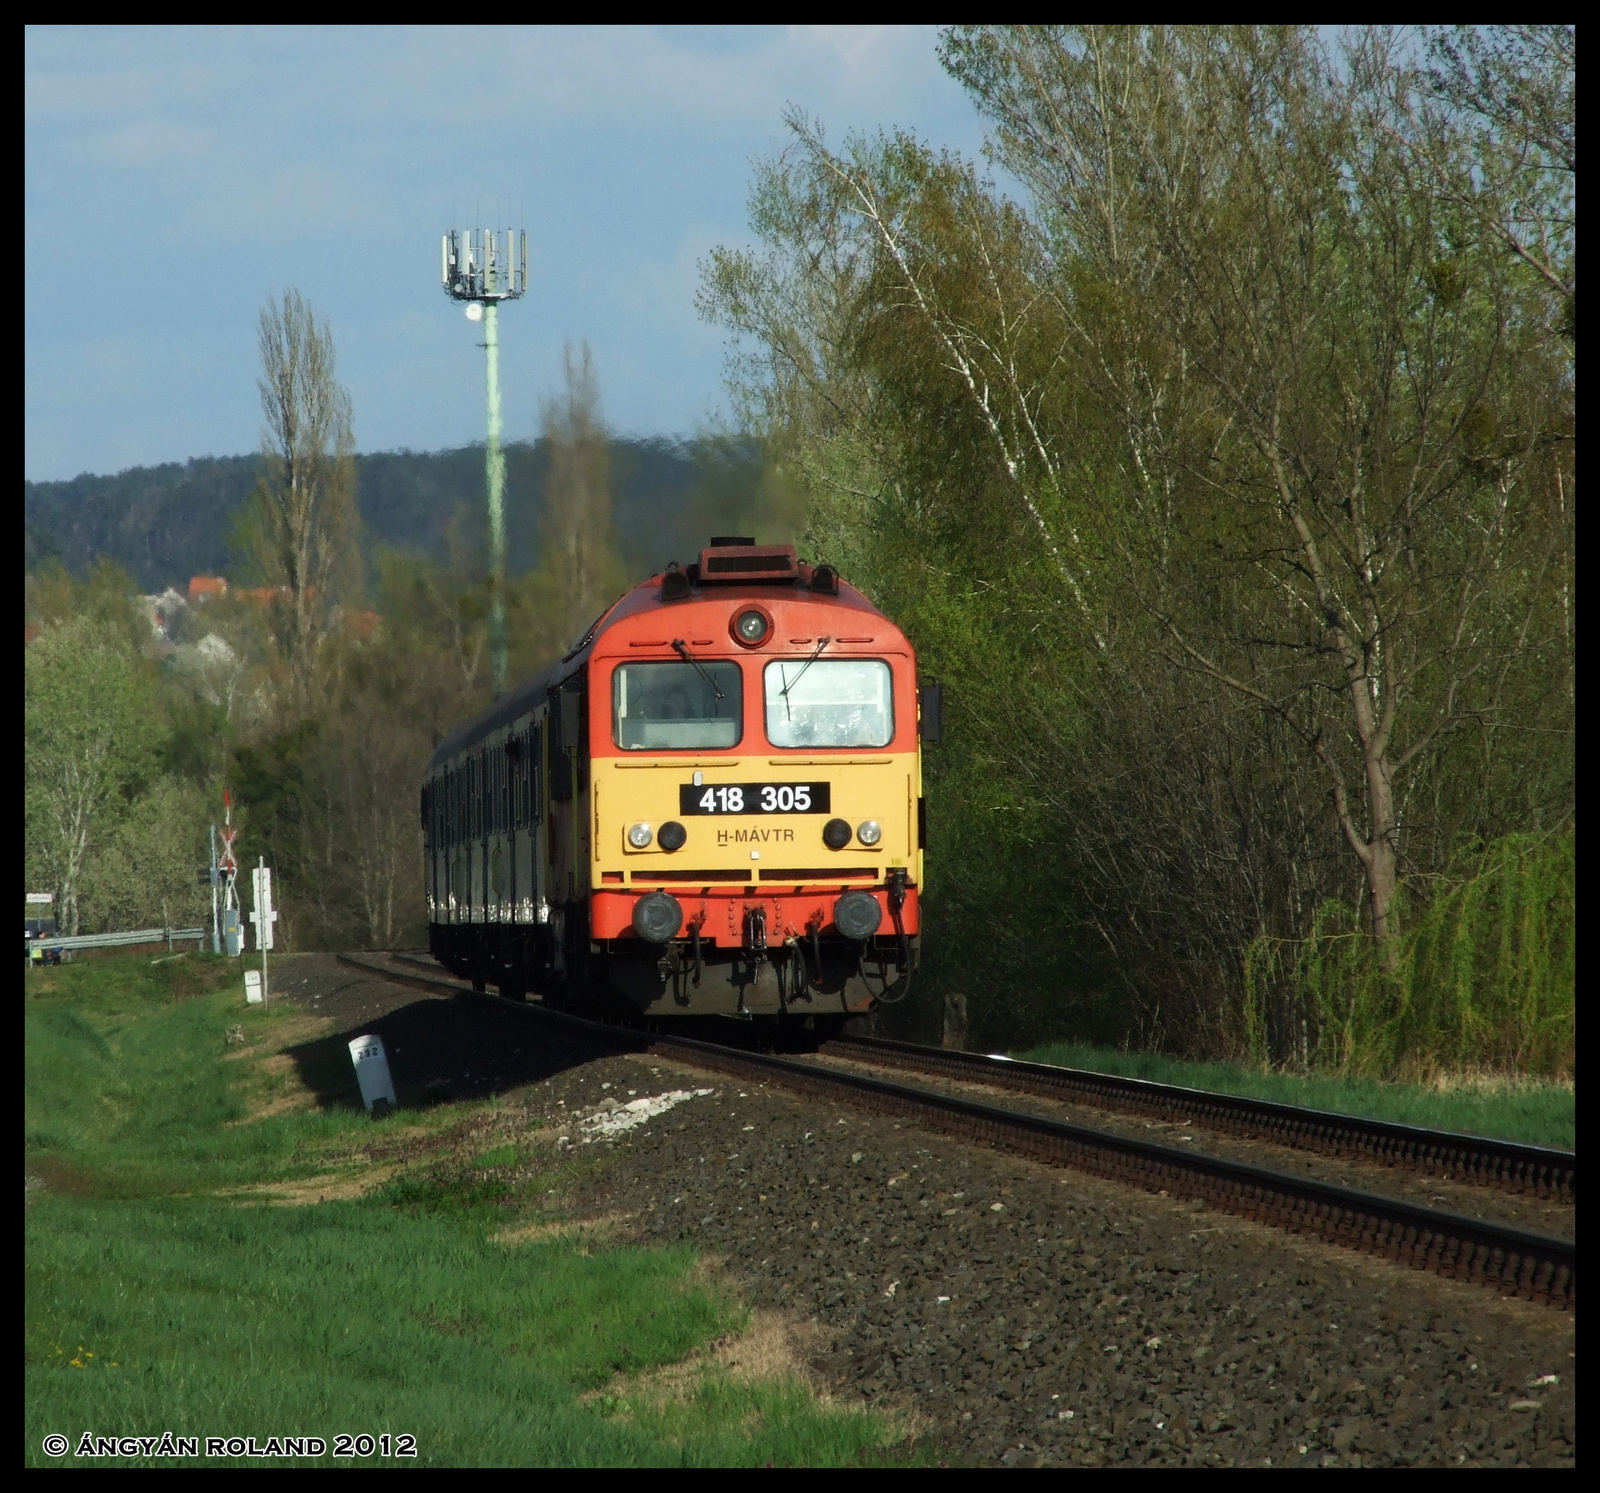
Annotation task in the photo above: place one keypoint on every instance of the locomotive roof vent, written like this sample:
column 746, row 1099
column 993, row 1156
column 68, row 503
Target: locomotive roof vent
column 745, row 562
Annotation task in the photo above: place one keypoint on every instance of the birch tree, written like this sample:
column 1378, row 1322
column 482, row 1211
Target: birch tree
column 302, row 528
column 1358, row 517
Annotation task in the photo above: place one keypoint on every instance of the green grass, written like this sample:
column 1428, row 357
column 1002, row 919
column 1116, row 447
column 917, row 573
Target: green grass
column 1543, row 1114
column 156, row 1302
column 127, row 1090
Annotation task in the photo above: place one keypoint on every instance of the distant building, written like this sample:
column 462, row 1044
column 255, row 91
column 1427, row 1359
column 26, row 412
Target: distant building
column 164, row 612
column 203, row 587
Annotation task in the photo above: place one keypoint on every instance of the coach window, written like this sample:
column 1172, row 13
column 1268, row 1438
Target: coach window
column 842, row 702
column 677, row 707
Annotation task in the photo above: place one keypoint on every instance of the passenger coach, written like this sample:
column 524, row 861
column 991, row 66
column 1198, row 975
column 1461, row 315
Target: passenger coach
column 712, row 805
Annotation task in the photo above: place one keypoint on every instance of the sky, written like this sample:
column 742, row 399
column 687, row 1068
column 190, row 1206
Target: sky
column 177, row 178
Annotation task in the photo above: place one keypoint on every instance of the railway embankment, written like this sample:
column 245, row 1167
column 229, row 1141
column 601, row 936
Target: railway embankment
column 1028, row 1315
column 842, row 1282
column 1015, row 1312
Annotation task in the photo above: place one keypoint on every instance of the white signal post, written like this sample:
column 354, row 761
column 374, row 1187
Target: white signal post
column 263, row 917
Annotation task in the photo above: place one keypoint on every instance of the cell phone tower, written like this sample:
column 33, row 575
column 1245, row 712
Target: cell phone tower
column 484, row 267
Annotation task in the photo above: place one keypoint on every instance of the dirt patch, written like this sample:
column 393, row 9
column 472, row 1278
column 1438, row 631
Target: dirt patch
column 772, row 1349
column 52, row 1173
column 274, row 1040
column 596, row 1233
column 331, row 1187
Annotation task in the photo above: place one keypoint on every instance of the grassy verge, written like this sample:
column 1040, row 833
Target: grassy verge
column 1543, row 1114
column 167, row 1291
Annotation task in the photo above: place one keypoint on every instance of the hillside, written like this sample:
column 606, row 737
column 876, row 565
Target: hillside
column 166, row 523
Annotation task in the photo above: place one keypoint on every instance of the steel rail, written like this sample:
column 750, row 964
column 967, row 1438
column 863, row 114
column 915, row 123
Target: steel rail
column 1510, row 1166
column 1512, row 1261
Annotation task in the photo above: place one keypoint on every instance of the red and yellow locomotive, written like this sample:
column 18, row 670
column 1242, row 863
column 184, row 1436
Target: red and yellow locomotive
column 712, row 805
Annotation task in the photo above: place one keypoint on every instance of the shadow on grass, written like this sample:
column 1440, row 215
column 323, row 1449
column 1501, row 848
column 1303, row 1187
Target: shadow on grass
column 441, row 1051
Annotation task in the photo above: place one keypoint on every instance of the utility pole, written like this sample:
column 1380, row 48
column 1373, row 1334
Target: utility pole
column 476, row 269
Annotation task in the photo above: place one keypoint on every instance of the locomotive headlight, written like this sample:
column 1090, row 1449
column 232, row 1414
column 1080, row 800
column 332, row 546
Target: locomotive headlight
column 657, row 917
column 751, row 627
column 869, row 831
column 639, row 836
column 857, row 915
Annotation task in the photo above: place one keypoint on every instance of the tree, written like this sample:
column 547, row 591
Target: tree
column 1222, row 463
column 1360, row 461
column 581, row 571
column 90, row 732
column 302, row 525
column 371, row 882
column 1512, row 91
column 141, row 872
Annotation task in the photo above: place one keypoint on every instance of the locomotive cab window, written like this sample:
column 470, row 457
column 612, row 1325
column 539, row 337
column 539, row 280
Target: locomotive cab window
column 840, row 702
column 677, row 707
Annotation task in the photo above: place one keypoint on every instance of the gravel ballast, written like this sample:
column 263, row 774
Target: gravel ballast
column 1553, row 1216
column 1027, row 1315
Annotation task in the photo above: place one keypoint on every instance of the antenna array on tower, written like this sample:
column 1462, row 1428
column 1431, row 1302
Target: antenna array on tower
column 482, row 265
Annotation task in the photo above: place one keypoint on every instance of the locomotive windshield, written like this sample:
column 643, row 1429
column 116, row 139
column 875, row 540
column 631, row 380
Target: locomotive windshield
column 846, row 702
column 676, row 707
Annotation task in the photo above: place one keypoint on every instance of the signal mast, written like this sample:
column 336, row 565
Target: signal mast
column 228, row 871
column 484, row 267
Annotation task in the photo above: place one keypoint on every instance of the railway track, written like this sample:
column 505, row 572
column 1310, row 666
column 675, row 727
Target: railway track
column 1511, row 1261
column 1508, row 1166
